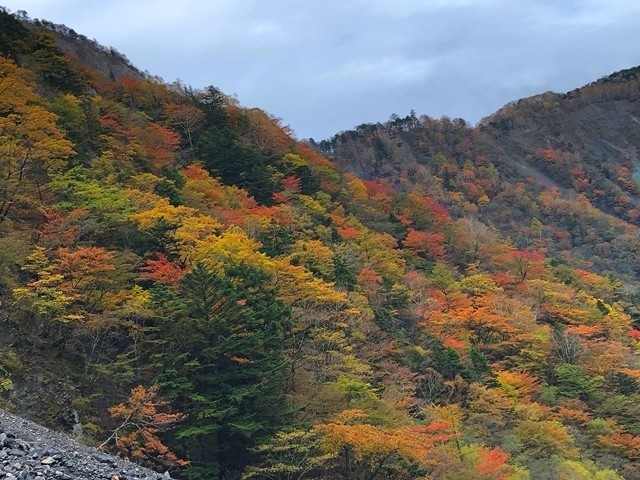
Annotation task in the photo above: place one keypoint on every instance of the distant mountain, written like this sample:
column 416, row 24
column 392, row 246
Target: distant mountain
column 569, row 161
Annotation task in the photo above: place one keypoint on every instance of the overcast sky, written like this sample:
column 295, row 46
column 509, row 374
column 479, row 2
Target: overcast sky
column 328, row 65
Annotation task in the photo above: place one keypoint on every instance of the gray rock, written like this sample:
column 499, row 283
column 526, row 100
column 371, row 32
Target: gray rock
column 102, row 458
column 32, row 452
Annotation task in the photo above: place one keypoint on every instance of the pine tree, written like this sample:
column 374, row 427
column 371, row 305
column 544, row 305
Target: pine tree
column 224, row 366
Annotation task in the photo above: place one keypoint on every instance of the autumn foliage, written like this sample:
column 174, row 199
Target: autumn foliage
column 143, row 419
column 238, row 304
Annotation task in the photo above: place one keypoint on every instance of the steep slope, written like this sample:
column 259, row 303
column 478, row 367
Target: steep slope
column 593, row 131
column 28, row 450
column 195, row 289
column 554, row 172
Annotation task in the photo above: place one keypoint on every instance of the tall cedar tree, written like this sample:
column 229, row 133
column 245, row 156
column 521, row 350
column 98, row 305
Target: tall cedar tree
column 223, row 364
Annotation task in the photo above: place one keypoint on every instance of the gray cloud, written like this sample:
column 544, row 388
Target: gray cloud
column 325, row 66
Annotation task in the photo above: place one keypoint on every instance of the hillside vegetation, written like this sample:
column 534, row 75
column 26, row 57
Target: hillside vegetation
column 187, row 285
column 554, row 172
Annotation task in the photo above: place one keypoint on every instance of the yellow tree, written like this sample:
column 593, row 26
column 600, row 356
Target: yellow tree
column 44, row 296
column 30, row 142
column 66, row 284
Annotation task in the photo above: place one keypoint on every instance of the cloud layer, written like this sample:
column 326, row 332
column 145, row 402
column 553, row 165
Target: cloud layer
column 328, row 65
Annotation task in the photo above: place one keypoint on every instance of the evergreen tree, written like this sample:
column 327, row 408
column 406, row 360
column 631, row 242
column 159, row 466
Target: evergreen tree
column 13, row 35
column 223, row 364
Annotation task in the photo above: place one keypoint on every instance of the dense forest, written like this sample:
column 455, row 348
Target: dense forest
column 554, row 172
column 184, row 283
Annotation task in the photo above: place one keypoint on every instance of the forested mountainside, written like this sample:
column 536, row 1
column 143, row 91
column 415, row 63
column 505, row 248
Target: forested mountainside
column 184, row 283
column 552, row 172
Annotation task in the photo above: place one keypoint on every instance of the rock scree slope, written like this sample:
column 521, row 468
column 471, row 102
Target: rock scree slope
column 32, row 452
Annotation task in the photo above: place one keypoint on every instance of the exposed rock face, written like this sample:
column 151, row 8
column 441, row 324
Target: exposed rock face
column 31, row 452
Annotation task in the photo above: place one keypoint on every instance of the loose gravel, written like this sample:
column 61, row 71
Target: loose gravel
column 32, row 452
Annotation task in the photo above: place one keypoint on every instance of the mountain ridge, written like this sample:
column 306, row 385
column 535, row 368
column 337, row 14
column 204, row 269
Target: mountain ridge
column 584, row 143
